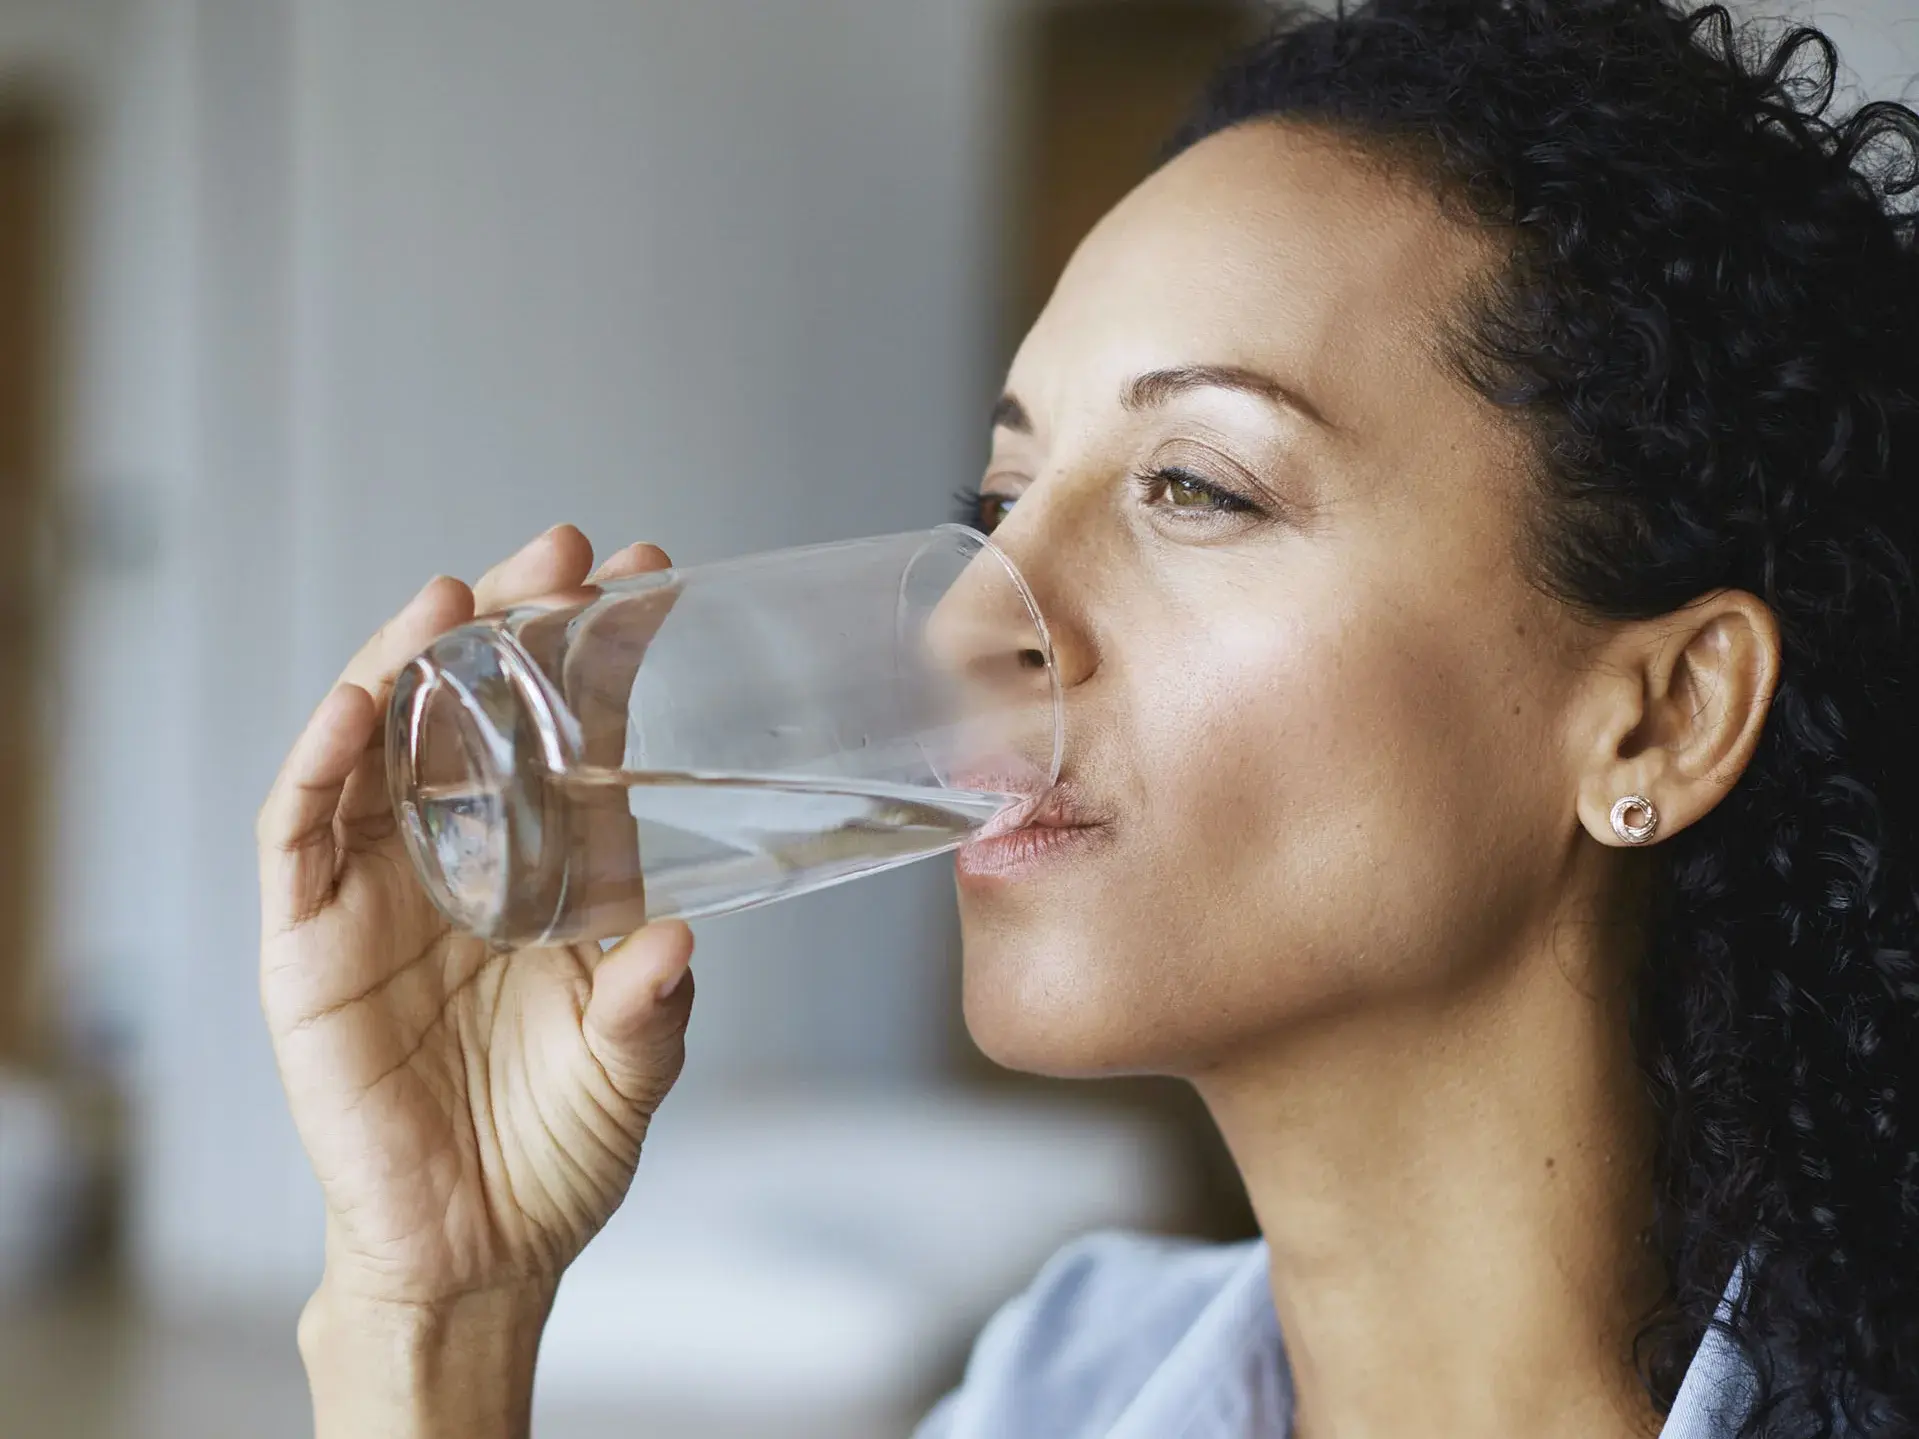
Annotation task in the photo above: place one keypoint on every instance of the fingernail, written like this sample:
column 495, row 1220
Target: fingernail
column 669, row 987
column 423, row 590
column 533, row 544
column 604, row 565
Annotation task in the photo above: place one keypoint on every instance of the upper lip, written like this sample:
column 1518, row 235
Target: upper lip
column 1058, row 807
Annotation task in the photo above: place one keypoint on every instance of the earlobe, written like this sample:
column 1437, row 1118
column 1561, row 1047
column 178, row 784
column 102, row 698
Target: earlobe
column 1703, row 679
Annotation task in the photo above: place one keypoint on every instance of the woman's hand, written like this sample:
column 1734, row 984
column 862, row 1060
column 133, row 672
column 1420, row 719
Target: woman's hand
column 474, row 1116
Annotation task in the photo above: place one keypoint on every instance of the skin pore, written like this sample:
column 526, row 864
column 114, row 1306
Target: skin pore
column 1345, row 771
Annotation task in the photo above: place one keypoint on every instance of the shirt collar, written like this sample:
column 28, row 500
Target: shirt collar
column 1229, row 1377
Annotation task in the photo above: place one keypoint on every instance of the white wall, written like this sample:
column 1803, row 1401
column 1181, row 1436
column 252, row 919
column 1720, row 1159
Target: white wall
column 1877, row 39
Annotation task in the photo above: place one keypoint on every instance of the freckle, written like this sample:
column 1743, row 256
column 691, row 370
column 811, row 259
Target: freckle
column 1520, row 628
column 1549, row 1162
column 1516, row 709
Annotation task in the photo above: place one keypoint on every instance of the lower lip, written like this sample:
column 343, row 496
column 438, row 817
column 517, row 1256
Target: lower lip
column 1019, row 852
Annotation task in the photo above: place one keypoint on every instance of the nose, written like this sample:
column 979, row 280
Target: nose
column 986, row 630
column 984, row 683
column 1053, row 540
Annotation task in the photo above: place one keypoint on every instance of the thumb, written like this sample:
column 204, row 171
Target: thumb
column 635, row 1024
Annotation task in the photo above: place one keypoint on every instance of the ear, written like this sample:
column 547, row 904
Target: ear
column 1677, row 705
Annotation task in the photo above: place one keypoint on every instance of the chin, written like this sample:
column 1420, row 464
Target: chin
column 1054, row 1046
column 1060, row 1007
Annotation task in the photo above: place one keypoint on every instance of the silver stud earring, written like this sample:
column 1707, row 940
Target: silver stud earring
column 1634, row 833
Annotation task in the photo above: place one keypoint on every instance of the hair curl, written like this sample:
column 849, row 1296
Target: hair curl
column 1710, row 320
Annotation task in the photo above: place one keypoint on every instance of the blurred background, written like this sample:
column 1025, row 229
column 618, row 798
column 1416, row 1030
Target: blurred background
column 302, row 301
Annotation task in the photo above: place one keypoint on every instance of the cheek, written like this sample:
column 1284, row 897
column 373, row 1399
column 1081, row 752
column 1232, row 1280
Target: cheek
column 1320, row 803
column 1216, row 737
column 1357, row 798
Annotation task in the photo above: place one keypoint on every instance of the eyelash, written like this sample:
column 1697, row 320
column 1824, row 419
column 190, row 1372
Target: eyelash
column 969, row 505
column 1153, row 484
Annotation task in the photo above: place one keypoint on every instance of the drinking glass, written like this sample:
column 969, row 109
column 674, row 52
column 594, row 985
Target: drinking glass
column 698, row 740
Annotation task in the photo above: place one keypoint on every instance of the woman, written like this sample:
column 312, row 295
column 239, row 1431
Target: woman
column 1472, row 485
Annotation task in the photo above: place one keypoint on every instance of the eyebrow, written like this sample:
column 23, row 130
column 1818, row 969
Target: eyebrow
column 1010, row 414
column 1156, row 387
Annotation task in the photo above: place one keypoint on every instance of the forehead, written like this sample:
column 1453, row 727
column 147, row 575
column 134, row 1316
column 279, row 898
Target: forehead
column 1275, row 247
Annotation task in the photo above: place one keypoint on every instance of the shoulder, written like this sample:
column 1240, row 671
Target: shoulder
column 1099, row 1322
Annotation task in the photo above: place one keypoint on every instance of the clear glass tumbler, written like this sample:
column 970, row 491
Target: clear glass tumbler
column 699, row 740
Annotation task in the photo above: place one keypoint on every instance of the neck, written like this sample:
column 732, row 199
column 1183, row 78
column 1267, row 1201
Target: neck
column 1453, row 1191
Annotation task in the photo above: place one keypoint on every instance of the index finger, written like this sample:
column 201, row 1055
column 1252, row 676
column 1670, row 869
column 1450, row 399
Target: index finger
column 444, row 603
column 549, row 561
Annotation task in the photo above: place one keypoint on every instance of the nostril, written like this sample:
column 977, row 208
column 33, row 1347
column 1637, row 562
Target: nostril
column 1032, row 660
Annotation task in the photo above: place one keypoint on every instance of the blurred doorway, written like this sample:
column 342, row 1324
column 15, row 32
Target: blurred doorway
column 1108, row 82
column 28, row 154
column 1105, row 85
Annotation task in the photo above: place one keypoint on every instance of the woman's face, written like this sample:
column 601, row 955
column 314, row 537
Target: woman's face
column 1314, row 709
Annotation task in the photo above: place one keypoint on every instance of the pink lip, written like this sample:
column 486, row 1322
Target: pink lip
column 1017, row 853
column 1043, row 827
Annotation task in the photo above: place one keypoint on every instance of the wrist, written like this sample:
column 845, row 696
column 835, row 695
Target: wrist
column 389, row 1369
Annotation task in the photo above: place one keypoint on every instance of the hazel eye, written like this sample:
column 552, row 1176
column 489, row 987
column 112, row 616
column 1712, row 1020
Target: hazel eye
column 1173, row 488
column 983, row 512
column 1182, row 492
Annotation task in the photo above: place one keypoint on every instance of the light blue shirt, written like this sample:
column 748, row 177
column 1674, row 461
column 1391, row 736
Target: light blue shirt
column 1129, row 1337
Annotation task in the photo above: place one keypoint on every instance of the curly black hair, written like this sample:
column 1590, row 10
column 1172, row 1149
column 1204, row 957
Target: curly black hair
column 1708, row 317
